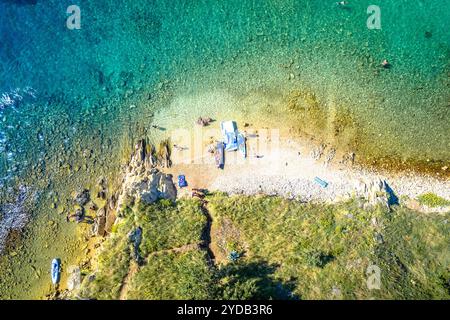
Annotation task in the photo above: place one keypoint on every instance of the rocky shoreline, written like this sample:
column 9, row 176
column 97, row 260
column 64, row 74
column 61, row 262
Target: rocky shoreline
column 15, row 215
column 145, row 179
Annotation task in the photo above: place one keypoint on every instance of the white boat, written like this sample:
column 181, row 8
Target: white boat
column 229, row 132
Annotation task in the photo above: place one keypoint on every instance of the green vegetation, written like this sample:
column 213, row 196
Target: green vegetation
column 289, row 250
column 183, row 275
column 432, row 200
column 165, row 225
column 323, row 251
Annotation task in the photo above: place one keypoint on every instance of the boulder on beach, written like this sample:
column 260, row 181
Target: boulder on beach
column 377, row 192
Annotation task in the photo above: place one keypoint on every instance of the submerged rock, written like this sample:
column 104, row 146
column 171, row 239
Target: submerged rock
column 82, row 197
column 204, row 121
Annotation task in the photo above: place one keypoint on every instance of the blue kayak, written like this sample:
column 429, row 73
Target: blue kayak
column 321, row 182
column 219, row 155
column 56, row 270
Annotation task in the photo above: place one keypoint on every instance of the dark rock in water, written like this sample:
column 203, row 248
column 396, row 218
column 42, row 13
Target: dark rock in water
column 204, row 121
column 82, row 197
column 428, row 34
column 21, row 2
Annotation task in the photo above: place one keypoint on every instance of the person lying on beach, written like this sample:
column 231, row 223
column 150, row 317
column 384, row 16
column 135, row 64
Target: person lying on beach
column 179, row 148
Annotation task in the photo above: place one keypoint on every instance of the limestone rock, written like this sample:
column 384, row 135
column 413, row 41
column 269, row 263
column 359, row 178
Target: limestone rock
column 98, row 228
column 144, row 183
column 377, row 192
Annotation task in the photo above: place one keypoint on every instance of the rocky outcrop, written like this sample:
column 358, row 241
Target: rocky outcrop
column 377, row 192
column 143, row 182
column 99, row 226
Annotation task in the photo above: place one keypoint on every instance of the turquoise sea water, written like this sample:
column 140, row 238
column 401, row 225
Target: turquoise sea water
column 70, row 96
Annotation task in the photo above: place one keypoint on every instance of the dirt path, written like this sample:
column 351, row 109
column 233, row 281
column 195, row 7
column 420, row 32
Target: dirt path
column 186, row 247
column 126, row 281
column 206, row 234
column 204, row 244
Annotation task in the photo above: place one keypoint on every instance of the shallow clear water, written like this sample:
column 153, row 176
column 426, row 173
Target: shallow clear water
column 132, row 58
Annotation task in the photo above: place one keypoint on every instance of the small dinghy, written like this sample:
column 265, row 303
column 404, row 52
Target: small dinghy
column 241, row 140
column 219, row 156
column 56, row 270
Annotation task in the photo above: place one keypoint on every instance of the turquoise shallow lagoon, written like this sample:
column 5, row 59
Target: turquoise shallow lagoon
column 69, row 97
